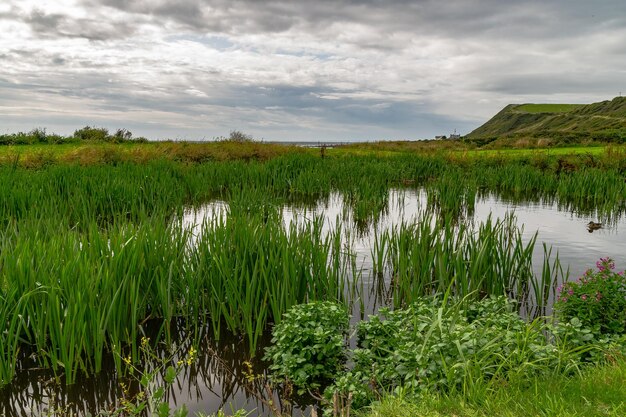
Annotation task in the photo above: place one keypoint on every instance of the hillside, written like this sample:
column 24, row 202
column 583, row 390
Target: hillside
column 598, row 121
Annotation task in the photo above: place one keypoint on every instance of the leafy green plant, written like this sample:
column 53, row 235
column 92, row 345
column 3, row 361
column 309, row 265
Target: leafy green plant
column 308, row 346
column 597, row 299
column 458, row 346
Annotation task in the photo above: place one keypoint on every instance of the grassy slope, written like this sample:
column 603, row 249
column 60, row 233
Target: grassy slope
column 545, row 118
column 547, row 108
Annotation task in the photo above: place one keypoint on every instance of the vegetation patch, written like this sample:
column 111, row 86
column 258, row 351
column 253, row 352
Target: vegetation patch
column 451, row 348
column 547, row 108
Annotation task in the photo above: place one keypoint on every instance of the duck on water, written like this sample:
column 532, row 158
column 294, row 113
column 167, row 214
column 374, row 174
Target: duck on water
column 592, row 226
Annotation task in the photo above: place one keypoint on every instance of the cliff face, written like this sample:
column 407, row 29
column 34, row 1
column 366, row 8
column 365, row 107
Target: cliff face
column 517, row 120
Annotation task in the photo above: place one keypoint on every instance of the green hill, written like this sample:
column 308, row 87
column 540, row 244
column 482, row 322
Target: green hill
column 604, row 121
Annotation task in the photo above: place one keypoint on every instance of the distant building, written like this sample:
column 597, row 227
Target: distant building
column 455, row 135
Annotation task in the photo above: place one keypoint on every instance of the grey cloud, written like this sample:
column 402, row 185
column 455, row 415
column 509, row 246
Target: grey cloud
column 59, row 25
column 530, row 19
column 555, row 83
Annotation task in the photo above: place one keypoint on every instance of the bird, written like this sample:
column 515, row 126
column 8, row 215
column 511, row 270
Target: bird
column 591, row 226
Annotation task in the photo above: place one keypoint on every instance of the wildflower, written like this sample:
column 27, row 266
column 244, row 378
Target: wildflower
column 128, row 360
column 191, row 356
column 145, row 341
column 605, row 264
column 598, row 296
column 124, row 388
column 584, row 297
column 570, row 292
column 248, row 371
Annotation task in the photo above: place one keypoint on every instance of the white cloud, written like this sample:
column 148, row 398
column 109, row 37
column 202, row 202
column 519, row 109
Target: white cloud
column 297, row 70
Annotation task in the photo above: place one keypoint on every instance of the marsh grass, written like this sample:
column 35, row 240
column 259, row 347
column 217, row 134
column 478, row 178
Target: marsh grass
column 91, row 250
column 432, row 256
column 72, row 297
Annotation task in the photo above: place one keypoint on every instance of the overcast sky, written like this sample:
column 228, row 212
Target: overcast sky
column 300, row 70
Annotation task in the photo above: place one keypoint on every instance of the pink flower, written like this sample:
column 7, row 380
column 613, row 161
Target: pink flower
column 584, row 297
column 605, row 264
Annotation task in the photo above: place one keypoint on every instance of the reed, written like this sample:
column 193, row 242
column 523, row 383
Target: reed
column 90, row 253
column 85, row 293
column 433, row 256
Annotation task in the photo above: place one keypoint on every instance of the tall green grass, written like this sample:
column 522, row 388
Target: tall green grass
column 432, row 255
column 90, row 254
column 71, row 297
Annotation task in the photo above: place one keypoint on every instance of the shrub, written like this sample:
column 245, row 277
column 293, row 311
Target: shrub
column 239, row 136
column 92, row 134
column 122, row 135
column 597, row 299
column 440, row 346
column 308, row 346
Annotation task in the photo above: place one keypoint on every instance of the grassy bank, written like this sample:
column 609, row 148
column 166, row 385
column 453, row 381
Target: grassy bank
column 596, row 391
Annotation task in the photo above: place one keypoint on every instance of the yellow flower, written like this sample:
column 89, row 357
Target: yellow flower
column 248, row 371
column 191, row 355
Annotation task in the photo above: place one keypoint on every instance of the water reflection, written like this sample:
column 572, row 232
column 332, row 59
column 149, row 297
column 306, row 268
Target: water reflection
column 215, row 380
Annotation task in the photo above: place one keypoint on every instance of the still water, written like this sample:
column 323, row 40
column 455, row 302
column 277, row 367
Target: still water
column 217, row 377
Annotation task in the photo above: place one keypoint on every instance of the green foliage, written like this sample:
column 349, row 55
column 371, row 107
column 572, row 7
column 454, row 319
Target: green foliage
column 437, row 345
column 431, row 344
column 597, row 299
column 239, row 136
column 547, row 108
column 308, row 345
column 101, row 134
column 94, row 134
column 34, row 137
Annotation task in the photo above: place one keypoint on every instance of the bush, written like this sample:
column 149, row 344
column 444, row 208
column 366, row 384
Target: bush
column 308, row 346
column 432, row 344
column 453, row 346
column 238, row 136
column 89, row 133
column 597, row 299
column 122, row 135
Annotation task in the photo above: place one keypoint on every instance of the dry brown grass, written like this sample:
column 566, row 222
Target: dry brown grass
column 104, row 153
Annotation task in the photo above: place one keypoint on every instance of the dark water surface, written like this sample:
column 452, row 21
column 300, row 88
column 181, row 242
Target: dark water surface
column 216, row 378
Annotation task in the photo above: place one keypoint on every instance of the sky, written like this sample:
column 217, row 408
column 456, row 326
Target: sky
column 315, row 70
